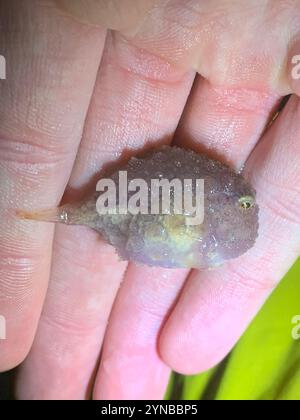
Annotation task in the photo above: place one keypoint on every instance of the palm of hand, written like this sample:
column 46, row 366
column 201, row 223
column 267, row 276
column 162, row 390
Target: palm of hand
column 65, row 116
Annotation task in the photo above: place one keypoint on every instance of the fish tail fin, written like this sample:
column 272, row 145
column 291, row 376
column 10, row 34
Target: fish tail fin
column 53, row 215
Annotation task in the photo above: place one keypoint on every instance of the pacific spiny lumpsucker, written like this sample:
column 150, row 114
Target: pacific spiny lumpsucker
column 229, row 228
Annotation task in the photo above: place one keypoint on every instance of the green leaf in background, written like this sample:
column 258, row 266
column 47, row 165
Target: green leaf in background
column 195, row 385
column 266, row 358
column 265, row 364
column 189, row 387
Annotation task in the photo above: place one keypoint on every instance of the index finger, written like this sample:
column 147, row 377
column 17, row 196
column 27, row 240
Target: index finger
column 43, row 103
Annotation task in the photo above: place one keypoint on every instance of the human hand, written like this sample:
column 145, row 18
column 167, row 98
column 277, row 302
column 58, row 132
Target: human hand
column 105, row 325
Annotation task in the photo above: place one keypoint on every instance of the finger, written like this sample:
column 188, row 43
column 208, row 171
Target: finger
column 136, row 103
column 293, row 65
column 215, row 307
column 38, row 141
column 130, row 366
column 223, row 122
column 214, row 122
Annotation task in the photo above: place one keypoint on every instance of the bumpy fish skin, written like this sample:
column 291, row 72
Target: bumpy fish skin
column 229, row 228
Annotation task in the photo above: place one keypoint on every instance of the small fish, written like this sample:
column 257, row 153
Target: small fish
column 229, row 227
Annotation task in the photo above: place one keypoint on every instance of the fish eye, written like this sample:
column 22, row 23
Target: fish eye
column 246, row 202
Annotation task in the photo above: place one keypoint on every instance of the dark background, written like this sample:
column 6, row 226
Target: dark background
column 5, row 388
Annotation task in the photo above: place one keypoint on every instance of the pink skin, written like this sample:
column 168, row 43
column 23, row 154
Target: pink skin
column 64, row 117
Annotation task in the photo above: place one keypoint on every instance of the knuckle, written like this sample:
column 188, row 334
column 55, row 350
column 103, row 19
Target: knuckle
column 143, row 65
column 284, row 204
column 74, row 324
column 250, row 277
column 16, row 278
column 34, row 160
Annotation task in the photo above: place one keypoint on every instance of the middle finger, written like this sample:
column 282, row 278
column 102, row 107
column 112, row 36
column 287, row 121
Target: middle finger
column 137, row 102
